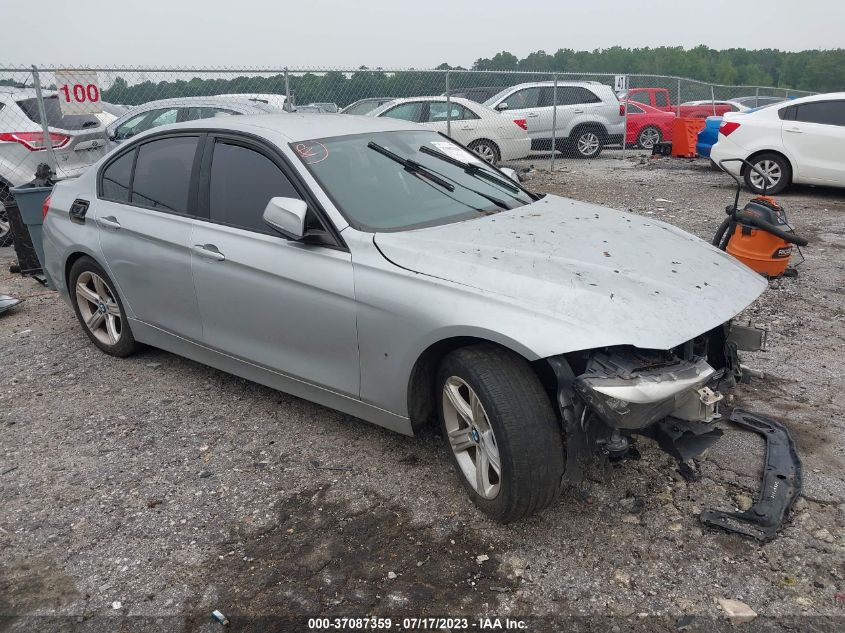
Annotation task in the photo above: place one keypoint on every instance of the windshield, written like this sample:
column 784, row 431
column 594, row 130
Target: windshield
column 375, row 192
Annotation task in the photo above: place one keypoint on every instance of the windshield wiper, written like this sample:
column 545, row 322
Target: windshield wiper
column 470, row 168
column 412, row 166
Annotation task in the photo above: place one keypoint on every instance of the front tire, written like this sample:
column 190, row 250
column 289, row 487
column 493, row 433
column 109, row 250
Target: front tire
column 501, row 432
column 99, row 308
column 587, row 142
column 777, row 170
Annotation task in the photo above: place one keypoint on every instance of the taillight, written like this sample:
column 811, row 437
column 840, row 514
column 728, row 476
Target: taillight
column 621, row 109
column 45, row 207
column 727, row 127
column 34, row 141
column 523, row 123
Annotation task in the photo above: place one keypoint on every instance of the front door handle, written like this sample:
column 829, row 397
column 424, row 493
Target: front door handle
column 468, row 127
column 532, row 115
column 108, row 222
column 209, row 251
column 578, row 111
column 793, row 130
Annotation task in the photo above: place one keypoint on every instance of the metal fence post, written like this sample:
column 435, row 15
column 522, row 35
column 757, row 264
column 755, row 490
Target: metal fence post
column 625, row 128
column 448, row 107
column 45, row 126
column 678, row 104
column 554, row 125
column 713, row 99
column 288, row 105
column 757, row 97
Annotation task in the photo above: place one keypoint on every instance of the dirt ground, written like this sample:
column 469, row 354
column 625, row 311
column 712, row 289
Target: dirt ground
column 142, row 494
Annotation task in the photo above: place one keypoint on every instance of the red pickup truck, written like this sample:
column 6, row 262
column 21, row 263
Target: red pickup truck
column 659, row 98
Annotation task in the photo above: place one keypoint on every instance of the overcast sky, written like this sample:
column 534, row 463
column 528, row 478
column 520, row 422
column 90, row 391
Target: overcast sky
column 391, row 33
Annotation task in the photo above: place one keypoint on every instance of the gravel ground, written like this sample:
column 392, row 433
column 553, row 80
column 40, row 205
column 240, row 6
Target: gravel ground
column 141, row 494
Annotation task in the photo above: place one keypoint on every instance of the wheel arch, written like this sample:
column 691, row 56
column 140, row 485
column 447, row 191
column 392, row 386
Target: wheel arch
column 71, row 259
column 421, row 380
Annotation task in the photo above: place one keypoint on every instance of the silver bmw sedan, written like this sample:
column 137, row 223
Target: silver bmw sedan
column 380, row 268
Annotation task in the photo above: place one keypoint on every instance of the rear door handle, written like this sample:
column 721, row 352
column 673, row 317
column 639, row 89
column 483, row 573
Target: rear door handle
column 209, row 251
column 794, row 130
column 468, row 127
column 578, row 111
column 108, row 222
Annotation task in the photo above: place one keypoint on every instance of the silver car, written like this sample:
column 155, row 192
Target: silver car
column 78, row 142
column 589, row 115
column 166, row 111
column 376, row 267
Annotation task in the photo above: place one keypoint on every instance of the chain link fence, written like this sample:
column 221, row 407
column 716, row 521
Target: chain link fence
column 504, row 116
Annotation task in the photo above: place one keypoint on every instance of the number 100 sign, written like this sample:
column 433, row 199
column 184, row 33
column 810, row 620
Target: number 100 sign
column 79, row 92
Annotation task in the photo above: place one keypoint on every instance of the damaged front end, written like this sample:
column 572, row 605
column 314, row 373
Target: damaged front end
column 608, row 396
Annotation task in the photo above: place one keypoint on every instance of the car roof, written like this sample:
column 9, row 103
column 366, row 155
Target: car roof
column 460, row 100
column 213, row 100
column 24, row 93
column 296, row 127
column 830, row 96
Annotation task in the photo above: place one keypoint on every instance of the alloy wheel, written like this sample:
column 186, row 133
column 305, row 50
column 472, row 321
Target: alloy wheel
column 486, row 152
column 471, row 437
column 648, row 137
column 772, row 172
column 588, row 143
column 98, row 308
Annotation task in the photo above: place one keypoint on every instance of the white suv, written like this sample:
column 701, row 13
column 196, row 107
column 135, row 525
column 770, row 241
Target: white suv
column 799, row 141
column 78, row 141
column 589, row 115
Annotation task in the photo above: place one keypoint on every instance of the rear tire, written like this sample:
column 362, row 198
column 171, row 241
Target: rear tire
column 775, row 166
column 99, row 308
column 488, row 151
column 498, row 421
column 5, row 227
column 649, row 136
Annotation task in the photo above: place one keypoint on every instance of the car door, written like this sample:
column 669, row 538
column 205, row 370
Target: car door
column 145, row 220
column 814, row 133
column 282, row 304
column 525, row 104
column 464, row 124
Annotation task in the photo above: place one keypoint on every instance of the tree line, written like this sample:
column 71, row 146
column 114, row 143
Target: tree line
column 817, row 71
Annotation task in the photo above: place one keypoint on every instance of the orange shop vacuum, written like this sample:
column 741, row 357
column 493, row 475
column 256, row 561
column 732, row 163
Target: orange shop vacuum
column 758, row 235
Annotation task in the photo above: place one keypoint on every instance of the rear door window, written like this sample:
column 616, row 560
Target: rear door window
column 823, row 112
column 243, row 181
column 55, row 118
column 163, row 174
column 196, row 113
column 406, row 111
column 116, row 178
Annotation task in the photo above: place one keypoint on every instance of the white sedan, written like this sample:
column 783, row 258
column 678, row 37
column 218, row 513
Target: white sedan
column 797, row 141
column 493, row 136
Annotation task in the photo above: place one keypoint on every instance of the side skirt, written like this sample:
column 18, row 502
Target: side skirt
column 151, row 335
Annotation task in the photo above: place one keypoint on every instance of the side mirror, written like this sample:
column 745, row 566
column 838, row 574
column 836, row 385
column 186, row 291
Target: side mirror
column 111, row 134
column 502, row 106
column 510, row 173
column 287, row 216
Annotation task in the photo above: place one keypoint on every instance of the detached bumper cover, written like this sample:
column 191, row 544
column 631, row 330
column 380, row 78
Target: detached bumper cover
column 781, row 482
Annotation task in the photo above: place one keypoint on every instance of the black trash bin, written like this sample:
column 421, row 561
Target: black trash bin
column 24, row 248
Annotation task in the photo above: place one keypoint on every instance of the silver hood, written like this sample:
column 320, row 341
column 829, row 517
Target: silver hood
column 611, row 277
